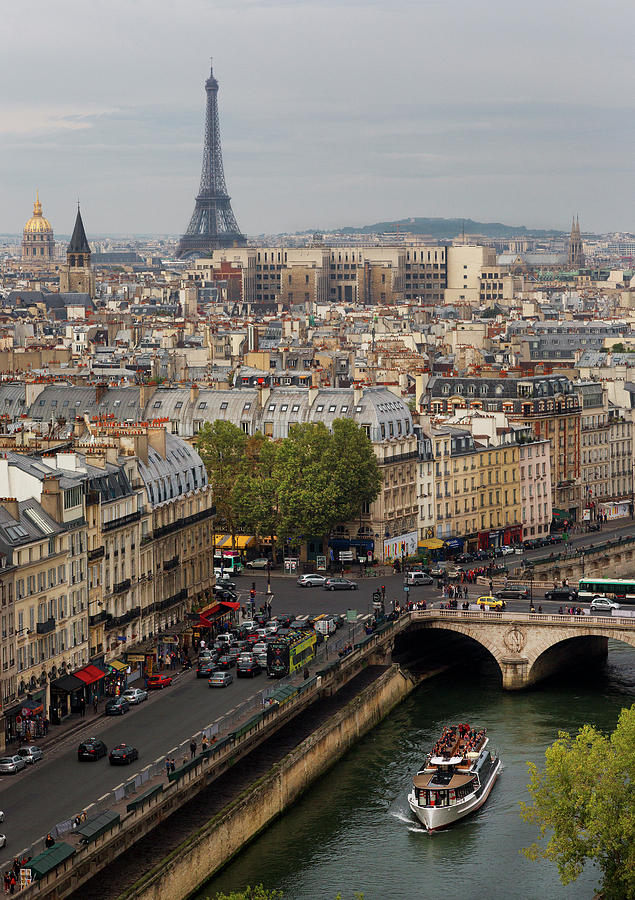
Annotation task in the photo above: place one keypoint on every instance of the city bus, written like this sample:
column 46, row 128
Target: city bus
column 620, row 589
column 228, row 561
column 289, row 653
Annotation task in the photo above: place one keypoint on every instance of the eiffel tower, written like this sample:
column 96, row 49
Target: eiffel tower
column 213, row 223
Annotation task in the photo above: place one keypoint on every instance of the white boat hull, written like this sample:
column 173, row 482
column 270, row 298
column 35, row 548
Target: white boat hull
column 434, row 818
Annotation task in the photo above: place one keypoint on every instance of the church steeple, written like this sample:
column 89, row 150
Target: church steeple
column 77, row 275
column 575, row 254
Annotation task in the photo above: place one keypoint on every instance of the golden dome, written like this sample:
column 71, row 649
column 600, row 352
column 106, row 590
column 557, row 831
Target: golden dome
column 37, row 224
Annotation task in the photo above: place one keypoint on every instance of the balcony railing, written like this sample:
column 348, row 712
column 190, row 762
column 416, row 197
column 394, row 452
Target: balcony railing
column 121, row 521
column 170, row 564
column 98, row 618
column 118, row 621
column 46, row 627
column 121, row 586
column 95, row 553
column 171, row 601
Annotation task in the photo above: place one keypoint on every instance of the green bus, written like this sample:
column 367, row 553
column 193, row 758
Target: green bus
column 287, row 654
column 620, row 589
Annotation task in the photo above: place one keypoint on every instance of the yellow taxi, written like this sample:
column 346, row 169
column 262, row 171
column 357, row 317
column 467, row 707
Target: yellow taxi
column 489, row 602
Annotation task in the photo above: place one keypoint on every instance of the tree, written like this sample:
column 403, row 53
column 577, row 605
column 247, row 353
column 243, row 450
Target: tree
column 255, row 492
column 221, row 446
column 306, row 489
column 355, row 469
column 584, row 806
column 258, row 892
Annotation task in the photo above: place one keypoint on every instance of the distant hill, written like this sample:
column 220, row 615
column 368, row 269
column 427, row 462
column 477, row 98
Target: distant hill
column 451, row 228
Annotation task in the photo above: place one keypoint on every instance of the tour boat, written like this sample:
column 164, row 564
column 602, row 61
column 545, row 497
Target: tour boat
column 456, row 778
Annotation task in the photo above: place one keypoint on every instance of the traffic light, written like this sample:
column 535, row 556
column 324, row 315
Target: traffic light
column 252, row 594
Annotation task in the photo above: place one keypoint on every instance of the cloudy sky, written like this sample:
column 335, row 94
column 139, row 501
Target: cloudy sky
column 333, row 112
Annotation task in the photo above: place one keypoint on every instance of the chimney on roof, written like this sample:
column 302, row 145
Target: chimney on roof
column 145, row 395
column 156, row 439
column 100, row 392
column 358, row 393
column 194, row 393
column 11, row 506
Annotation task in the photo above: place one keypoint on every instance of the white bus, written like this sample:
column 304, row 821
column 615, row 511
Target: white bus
column 228, row 561
column 620, row 589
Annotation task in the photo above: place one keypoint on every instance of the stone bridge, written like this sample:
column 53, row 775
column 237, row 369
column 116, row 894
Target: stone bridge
column 526, row 646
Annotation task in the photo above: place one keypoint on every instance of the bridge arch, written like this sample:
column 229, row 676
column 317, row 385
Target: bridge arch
column 526, row 648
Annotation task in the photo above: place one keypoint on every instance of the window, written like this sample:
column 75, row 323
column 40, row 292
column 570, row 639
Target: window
column 344, row 409
column 72, row 497
column 202, row 404
column 271, row 407
column 320, row 408
column 332, row 408
column 155, row 405
column 284, row 407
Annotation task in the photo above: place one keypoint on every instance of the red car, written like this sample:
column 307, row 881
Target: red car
column 158, row 682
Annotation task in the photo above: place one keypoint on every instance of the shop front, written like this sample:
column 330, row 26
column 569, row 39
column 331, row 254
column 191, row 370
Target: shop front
column 400, row 546
column 614, row 510
column 489, row 540
column 513, row 534
column 116, row 678
column 93, row 678
column 453, row 545
column 25, row 720
column 67, row 693
column 362, row 548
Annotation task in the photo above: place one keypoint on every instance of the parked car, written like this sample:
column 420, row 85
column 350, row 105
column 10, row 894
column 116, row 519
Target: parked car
column 123, row 755
column 562, row 595
column 11, row 765
column 135, row 695
column 30, row 755
column 260, row 563
column 418, row 577
column 593, row 526
column 507, row 549
column 248, row 668
column 489, row 602
column 91, row 749
column 438, row 569
column 513, row 593
column 158, row 682
column 600, row 604
column 220, row 679
column 311, row 580
column 340, row 584
column 222, row 592
column 118, row 706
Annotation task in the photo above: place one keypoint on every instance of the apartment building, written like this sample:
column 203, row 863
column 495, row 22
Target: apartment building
column 535, row 488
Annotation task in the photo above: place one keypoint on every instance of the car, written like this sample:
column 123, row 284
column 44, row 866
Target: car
column 123, row 755
column 222, row 592
column 220, row 679
column 340, row 620
column 11, row 765
column 285, row 620
column 562, row 595
column 118, row 706
column 513, row 593
column 135, row 695
column 311, row 580
column 489, row 602
column 3, row 840
column 225, row 662
column 205, row 668
column 604, row 604
column 340, row 584
column 226, row 580
column 438, row 570
column 158, row 682
column 507, row 549
column 248, row 668
column 261, row 659
column 454, row 572
column 593, row 526
column 260, row 563
column 91, row 749
column 30, row 755
column 248, row 625
column 418, row 577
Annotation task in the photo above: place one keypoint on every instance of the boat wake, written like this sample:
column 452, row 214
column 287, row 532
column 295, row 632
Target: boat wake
column 407, row 819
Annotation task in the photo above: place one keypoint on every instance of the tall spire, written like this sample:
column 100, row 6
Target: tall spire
column 213, row 223
column 79, row 241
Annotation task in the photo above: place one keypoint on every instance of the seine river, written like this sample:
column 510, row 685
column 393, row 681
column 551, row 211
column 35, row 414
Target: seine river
column 353, row 830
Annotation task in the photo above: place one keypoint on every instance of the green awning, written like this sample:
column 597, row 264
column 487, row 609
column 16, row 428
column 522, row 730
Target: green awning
column 49, row 859
column 94, row 828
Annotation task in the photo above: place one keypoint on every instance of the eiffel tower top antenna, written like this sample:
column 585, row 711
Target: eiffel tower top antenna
column 213, row 224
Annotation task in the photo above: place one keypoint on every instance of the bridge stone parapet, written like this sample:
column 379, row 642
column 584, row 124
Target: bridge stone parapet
column 526, row 646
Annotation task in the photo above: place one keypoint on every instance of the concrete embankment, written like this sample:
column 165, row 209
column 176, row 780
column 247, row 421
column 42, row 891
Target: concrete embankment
column 212, row 846
column 185, row 849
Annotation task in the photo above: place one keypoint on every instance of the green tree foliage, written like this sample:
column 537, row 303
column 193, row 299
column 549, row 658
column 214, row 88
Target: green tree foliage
column 221, row 446
column 307, row 491
column 584, row 806
column 258, row 892
column 255, row 491
column 355, row 469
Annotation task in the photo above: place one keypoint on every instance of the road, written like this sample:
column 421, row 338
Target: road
column 59, row 786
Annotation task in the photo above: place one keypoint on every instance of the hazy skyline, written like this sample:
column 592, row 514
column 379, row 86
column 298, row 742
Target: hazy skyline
column 333, row 112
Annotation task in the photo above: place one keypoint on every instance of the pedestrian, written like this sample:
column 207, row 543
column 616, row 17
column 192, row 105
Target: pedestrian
column 167, row 766
column 172, row 765
column 12, row 883
column 46, row 725
column 7, row 881
column 50, row 840
column 95, row 703
column 204, row 743
column 193, row 748
column 82, row 706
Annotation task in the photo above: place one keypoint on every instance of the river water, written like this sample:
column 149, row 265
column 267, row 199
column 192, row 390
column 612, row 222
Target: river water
column 353, row 831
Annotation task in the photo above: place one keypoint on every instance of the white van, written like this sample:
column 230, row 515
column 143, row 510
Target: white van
column 325, row 625
column 418, row 577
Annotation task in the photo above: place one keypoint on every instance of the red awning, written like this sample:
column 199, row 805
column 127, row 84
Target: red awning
column 89, row 674
column 210, row 611
column 232, row 604
column 203, row 623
